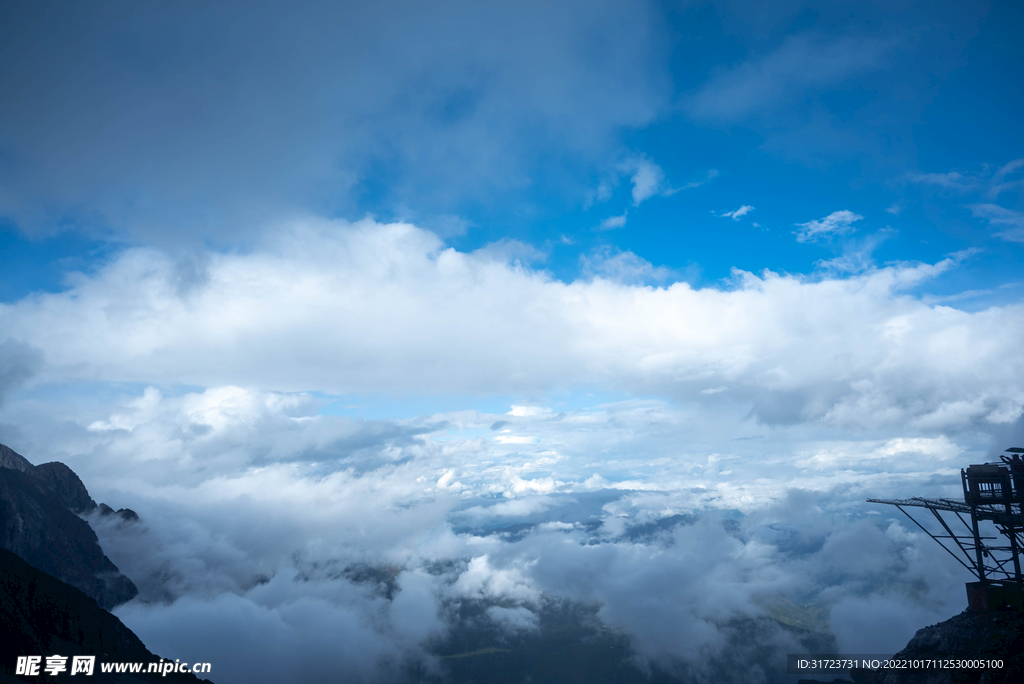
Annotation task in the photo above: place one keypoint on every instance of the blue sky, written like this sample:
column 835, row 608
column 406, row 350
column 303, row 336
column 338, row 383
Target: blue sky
column 349, row 283
column 801, row 110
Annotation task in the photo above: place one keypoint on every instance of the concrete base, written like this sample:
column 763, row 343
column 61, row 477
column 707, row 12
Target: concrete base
column 985, row 596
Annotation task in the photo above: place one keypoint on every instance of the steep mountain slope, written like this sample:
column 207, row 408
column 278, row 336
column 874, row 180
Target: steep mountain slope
column 38, row 522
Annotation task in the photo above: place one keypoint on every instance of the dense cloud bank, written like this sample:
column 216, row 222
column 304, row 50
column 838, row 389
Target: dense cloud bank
column 388, row 308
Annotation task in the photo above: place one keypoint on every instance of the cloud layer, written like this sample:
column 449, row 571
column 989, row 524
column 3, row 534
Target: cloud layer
column 282, row 545
column 368, row 307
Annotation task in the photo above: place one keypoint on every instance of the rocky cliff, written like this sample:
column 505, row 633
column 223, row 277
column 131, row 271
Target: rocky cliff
column 39, row 522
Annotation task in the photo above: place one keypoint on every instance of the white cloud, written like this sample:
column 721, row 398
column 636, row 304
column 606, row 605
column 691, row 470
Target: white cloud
column 622, row 267
column 836, row 223
column 647, row 180
column 646, row 177
column 736, row 214
column 386, row 308
column 481, row 579
column 514, row 619
column 613, row 222
column 515, row 439
column 521, row 411
column 508, row 250
column 894, row 209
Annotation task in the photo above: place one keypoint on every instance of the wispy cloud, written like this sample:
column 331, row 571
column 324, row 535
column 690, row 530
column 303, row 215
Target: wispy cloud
column 987, row 182
column 710, row 176
column 800, row 62
column 894, row 209
column 1001, row 216
column 999, row 179
column 836, row 223
column 736, row 214
column 951, row 180
column 857, row 255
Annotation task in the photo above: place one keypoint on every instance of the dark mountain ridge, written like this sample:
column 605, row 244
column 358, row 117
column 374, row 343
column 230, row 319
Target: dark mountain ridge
column 56, row 584
column 39, row 521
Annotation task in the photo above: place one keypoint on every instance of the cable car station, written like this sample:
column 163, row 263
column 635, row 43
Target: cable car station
column 993, row 497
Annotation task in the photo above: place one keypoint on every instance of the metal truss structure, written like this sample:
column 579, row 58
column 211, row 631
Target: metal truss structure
column 993, row 493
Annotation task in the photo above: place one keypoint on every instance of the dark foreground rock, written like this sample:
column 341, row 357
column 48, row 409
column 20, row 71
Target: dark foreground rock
column 995, row 635
column 971, row 635
column 40, row 615
column 39, row 522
